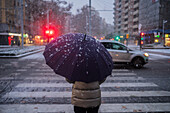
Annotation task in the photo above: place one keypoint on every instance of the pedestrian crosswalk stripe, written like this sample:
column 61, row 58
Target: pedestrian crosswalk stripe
column 62, row 78
column 21, row 69
column 70, row 85
column 119, row 70
column 53, row 73
column 68, row 108
column 41, row 74
column 103, row 94
column 44, row 70
column 123, row 74
column 50, row 70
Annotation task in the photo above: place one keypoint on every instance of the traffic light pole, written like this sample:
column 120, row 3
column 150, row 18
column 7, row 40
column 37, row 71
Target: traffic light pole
column 48, row 39
column 140, row 42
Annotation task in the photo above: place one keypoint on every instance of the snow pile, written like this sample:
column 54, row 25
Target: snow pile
column 18, row 50
column 159, row 50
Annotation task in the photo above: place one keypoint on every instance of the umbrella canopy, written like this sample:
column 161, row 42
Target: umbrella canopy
column 78, row 57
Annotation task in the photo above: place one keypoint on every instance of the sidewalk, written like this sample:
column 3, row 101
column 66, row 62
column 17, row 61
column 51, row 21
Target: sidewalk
column 145, row 47
column 155, row 50
column 17, row 52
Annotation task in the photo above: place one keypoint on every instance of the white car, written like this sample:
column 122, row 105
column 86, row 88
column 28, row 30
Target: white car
column 122, row 54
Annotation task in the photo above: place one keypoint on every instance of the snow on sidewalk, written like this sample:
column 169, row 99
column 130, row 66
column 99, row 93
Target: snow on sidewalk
column 17, row 50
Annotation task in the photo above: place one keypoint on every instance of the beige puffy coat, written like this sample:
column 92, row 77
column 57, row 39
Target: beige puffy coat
column 86, row 94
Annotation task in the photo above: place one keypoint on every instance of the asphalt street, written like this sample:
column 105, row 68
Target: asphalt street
column 28, row 85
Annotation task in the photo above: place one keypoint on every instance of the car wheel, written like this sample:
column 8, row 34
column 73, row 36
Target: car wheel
column 138, row 63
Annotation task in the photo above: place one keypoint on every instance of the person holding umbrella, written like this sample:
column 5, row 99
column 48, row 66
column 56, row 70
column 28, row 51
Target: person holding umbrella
column 83, row 61
column 86, row 97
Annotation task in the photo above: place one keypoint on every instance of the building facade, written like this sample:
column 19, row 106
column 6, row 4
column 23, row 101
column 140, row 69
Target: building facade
column 152, row 13
column 126, row 17
column 10, row 22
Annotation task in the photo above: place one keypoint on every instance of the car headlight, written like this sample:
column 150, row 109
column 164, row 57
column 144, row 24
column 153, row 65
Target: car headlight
column 146, row 54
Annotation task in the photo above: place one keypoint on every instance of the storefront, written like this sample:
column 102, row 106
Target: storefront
column 10, row 39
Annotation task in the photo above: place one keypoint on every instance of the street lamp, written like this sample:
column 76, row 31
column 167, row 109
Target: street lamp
column 164, row 21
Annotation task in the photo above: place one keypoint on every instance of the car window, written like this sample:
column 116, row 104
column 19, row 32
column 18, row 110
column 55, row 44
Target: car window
column 107, row 45
column 117, row 46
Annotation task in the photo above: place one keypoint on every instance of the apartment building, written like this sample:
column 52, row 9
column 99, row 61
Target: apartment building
column 155, row 20
column 126, row 17
column 10, row 22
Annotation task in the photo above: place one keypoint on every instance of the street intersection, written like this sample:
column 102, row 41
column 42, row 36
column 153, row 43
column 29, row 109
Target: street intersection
column 29, row 85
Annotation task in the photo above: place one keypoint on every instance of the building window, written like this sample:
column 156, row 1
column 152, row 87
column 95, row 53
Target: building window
column 135, row 16
column 126, row 19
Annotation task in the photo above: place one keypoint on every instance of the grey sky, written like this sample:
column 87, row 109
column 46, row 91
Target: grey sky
column 98, row 5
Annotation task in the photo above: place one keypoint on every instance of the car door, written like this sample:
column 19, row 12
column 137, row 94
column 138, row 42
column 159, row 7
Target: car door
column 108, row 46
column 120, row 53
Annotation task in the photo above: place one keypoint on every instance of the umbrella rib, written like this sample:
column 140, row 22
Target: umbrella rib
column 103, row 58
column 76, row 62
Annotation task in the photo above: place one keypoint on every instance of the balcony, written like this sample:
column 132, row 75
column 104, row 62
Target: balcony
column 135, row 26
column 136, row 5
column 126, row 22
column 136, row 12
column 126, row 16
column 125, row 28
column 126, row 4
column 135, row 19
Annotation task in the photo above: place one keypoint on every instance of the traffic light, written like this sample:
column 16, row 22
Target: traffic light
column 117, row 38
column 49, row 32
column 142, row 34
column 127, row 36
column 141, row 38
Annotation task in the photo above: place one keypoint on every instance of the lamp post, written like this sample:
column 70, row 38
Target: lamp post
column 164, row 21
column 22, row 25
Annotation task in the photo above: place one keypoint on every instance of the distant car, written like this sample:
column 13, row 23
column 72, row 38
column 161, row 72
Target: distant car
column 122, row 54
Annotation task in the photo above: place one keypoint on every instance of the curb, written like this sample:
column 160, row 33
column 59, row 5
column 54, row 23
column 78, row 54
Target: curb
column 22, row 55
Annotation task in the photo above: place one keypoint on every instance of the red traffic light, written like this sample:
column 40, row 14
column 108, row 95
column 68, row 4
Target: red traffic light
column 142, row 34
column 49, row 32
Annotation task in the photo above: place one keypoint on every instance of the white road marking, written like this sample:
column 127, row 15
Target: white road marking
column 120, row 70
column 103, row 94
column 62, row 78
column 44, row 70
column 34, row 62
column 7, row 64
column 30, row 65
column 21, row 69
column 70, row 85
column 41, row 74
column 68, row 108
column 123, row 74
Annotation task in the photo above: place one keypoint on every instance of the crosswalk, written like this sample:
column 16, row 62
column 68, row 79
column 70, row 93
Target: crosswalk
column 43, row 91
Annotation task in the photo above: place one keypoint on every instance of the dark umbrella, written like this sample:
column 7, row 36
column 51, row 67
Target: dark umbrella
column 78, row 57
